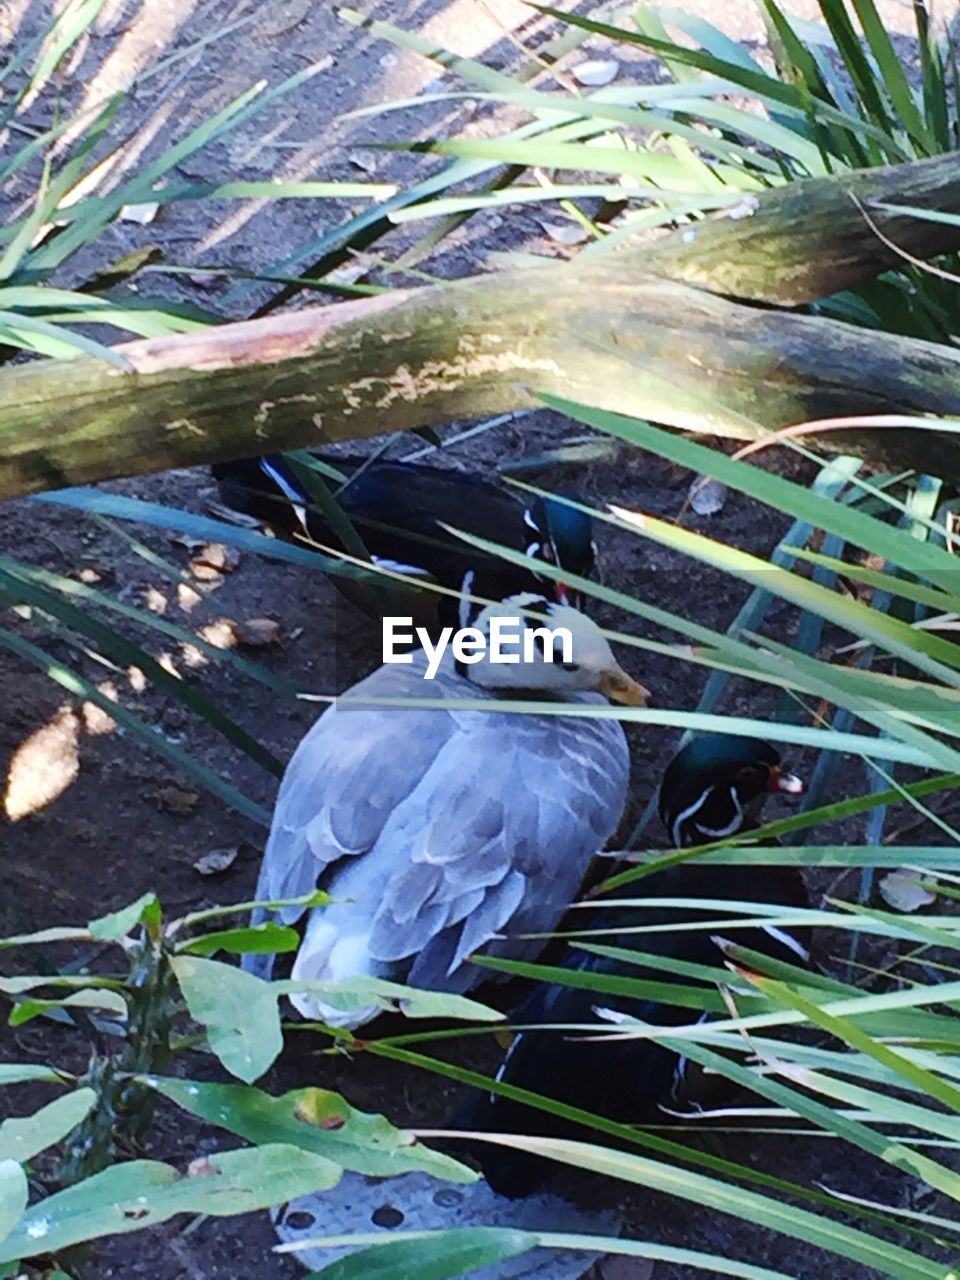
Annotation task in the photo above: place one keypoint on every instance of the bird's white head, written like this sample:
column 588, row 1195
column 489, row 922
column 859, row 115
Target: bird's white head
column 558, row 649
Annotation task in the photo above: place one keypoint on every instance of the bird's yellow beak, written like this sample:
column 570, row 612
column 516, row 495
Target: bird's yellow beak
column 616, row 685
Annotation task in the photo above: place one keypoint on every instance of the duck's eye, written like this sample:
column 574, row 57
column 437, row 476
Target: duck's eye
column 570, row 666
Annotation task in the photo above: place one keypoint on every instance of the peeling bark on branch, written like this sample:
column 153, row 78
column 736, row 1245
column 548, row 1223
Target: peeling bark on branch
column 678, row 355
column 808, row 239
column 603, row 330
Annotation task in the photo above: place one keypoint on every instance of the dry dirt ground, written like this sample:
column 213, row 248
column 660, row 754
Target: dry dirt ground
column 99, row 819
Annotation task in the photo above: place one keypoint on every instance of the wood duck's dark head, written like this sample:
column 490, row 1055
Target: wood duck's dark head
column 563, row 536
column 714, row 787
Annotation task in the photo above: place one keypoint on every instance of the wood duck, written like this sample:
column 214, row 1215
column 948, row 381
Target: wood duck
column 713, row 788
column 437, row 830
column 399, row 510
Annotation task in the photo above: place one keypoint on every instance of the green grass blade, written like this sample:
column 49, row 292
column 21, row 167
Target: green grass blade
column 894, row 76
column 930, row 562
column 767, row 88
column 813, row 1230
column 621, row 1132
column 843, row 1029
column 30, row 333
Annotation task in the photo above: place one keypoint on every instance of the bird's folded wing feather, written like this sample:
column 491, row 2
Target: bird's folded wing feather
column 353, row 768
column 507, row 847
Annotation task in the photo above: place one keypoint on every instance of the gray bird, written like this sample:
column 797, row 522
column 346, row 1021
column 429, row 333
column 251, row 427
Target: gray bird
column 438, row 830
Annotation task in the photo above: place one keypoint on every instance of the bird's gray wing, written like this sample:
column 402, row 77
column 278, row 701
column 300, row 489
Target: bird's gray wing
column 497, row 837
column 346, row 777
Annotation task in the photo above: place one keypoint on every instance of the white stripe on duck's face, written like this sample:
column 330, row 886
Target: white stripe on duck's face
column 725, row 811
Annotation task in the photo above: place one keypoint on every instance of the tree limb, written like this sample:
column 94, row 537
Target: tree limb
column 604, row 330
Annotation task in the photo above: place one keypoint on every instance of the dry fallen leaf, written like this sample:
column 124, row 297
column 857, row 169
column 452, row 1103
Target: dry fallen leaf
column 258, row 632
column 141, row 213
column 174, row 799
column 214, row 559
column 229, row 633
column 364, row 160
column 221, row 633
column 216, row 861
column 91, row 574
column 904, row 891
column 596, row 72
column 707, row 496
column 568, row 233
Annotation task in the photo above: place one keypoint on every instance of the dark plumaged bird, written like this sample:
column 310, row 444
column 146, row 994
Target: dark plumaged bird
column 399, row 510
column 712, row 788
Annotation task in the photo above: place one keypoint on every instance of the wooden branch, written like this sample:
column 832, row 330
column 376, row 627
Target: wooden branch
column 603, row 330
column 678, row 355
column 807, row 239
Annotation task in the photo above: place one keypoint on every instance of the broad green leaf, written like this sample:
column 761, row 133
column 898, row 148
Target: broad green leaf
column 394, row 997
column 32, row 1007
column 262, row 938
column 59, row 933
column 13, row 1198
column 142, row 1193
column 27, row 1072
column 435, row 1256
column 238, row 1010
column 316, row 1120
column 21, row 1138
column 116, row 925
column 319, row 898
